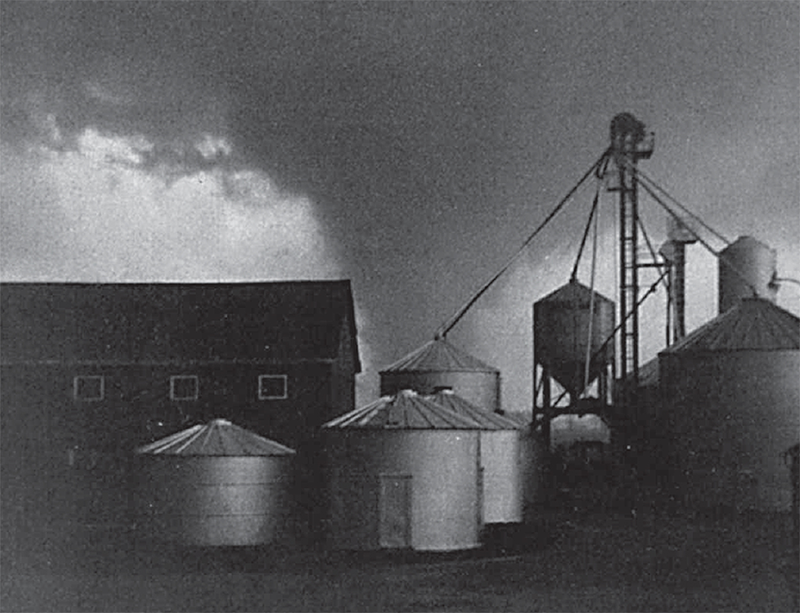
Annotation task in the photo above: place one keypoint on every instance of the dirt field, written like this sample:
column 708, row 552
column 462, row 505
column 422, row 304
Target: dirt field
column 559, row 562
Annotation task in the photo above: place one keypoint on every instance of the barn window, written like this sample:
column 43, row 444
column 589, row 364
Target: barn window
column 183, row 387
column 88, row 388
column 272, row 387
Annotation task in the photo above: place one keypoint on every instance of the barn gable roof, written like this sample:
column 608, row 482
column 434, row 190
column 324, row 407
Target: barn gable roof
column 123, row 323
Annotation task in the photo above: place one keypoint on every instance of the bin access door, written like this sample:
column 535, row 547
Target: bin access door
column 395, row 511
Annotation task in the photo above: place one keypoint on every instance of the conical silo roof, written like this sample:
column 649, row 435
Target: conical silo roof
column 439, row 355
column 649, row 373
column 755, row 324
column 219, row 437
column 405, row 410
column 574, row 294
column 488, row 420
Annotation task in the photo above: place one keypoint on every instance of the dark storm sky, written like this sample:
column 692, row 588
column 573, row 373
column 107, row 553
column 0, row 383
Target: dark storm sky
column 410, row 147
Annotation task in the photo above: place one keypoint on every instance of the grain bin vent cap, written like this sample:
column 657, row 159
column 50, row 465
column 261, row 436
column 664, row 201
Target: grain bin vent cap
column 406, row 410
column 219, row 437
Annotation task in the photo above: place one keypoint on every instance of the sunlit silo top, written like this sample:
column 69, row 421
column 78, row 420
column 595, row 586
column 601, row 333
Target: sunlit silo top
column 405, row 410
column 219, row 437
column 754, row 324
column 490, row 421
column 746, row 268
column 439, row 355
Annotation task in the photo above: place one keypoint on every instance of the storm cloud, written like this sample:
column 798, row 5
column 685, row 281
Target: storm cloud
column 409, row 146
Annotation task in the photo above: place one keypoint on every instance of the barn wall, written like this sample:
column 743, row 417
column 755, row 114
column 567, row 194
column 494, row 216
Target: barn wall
column 64, row 460
column 137, row 399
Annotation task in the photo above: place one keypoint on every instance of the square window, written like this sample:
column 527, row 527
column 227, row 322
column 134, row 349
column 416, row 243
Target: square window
column 272, row 387
column 88, row 388
column 183, row 387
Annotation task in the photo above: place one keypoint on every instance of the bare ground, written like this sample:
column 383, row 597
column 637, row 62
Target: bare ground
column 559, row 561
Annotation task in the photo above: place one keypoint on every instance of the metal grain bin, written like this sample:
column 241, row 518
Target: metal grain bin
column 403, row 472
column 745, row 266
column 501, row 457
column 561, row 323
column 212, row 485
column 439, row 363
column 731, row 394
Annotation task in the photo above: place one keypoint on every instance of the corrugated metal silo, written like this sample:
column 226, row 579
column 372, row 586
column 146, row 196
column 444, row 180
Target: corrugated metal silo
column 501, row 456
column 214, row 484
column 745, row 265
column 403, row 472
column 439, row 363
column 561, row 322
column 731, row 395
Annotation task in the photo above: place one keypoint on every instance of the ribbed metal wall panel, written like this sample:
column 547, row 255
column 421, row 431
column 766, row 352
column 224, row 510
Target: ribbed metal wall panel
column 214, row 500
column 501, row 457
column 445, row 509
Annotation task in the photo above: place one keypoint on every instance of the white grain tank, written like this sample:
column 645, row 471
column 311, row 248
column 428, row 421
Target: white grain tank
column 561, row 324
column 501, row 456
column 403, row 472
column 439, row 363
column 214, row 485
column 731, row 394
column 745, row 266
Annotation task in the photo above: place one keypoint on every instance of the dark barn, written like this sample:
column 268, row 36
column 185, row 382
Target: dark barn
column 90, row 371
